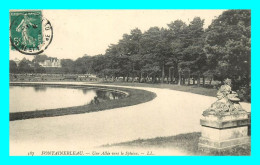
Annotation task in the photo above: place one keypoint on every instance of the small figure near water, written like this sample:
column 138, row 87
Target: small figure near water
column 95, row 100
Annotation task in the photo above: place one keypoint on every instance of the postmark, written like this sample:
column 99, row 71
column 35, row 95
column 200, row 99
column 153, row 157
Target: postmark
column 30, row 33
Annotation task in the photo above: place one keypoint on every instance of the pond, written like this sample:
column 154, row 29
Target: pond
column 32, row 98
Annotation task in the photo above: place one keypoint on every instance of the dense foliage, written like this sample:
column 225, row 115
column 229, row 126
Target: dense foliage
column 179, row 54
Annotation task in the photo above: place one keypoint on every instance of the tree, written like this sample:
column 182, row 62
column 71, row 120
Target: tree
column 24, row 66
column 194, row 58
column 117, row 62
column 83, row 65
column 38, row 69
column 40, row 58
column 150, row 52
column 177, row 32
column 155, row 45
column 228, row 46
column 12, row 66
column 67, row 65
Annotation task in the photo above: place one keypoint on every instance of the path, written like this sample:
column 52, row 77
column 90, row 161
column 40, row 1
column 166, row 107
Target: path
column 170, row 113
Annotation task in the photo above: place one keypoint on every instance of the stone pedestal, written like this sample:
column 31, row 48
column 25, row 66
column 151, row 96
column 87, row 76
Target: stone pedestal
column 220, row 133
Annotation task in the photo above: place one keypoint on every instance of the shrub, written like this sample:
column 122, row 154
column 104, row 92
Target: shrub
column 244, row 93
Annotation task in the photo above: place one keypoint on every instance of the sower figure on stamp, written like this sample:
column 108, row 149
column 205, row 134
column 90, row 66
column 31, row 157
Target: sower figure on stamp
column 23, row 27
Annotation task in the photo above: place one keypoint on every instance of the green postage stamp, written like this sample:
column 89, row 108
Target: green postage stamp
column 30, row 33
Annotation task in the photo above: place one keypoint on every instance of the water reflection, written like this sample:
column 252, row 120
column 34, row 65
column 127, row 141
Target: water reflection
column 40, row 88
column 31, row 98
column 108, row 95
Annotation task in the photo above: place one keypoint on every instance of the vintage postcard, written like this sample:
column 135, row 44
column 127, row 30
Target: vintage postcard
column 130, row 82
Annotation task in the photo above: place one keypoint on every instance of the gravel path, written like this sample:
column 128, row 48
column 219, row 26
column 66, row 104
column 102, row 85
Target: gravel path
column 170, row 113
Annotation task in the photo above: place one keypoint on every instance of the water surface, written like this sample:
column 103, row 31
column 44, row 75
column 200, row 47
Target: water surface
column 31, row 98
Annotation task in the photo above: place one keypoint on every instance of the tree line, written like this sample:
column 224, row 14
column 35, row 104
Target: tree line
column 181, row 53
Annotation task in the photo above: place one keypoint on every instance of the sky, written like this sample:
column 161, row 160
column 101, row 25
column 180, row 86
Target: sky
column 89, row 32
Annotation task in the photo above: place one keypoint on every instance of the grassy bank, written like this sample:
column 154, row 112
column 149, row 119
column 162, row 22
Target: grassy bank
column 135, row 97
column 187, row 143
column 192, row 89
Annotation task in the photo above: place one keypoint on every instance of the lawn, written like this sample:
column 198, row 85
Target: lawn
column 187, row 143
column 185, row 88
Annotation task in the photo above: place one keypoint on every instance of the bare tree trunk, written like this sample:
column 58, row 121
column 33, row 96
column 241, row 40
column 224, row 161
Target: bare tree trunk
column 145, row 79
column 163, row 74
column 210, row 81
column 203, row 80
column 198, row 82
column 153, row 79
column 133, row 76
column 140, row 77
column 179, row 80
column 179, row 75
column 170, row 76
column 113, row 78
column 189, row 78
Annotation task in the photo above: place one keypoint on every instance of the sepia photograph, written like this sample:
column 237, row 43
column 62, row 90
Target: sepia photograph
column 130, row 82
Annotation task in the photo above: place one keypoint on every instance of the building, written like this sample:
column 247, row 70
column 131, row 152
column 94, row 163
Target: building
column 51, row 62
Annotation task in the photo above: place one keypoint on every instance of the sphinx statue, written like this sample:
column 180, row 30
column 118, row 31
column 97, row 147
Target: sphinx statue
column 225, row 123
column 227, row 102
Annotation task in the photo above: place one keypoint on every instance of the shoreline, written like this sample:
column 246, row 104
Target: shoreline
column 170, row 113
column 133, row 97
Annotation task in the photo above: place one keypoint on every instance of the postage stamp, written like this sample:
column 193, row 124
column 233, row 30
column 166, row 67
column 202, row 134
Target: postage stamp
column 130, row 83
column 30, row 33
